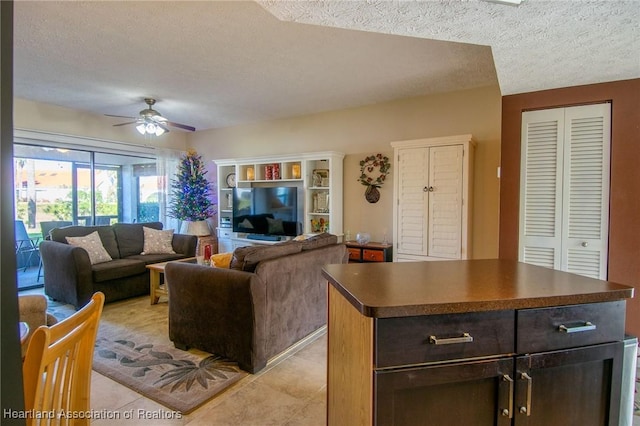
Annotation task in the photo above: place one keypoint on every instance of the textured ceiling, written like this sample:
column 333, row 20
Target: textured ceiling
column 215, row 64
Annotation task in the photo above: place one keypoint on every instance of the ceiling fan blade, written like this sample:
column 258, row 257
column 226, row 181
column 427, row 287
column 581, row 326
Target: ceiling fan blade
column 124, row 124
column 162, row 126
column 121, row 116
column 181, row 126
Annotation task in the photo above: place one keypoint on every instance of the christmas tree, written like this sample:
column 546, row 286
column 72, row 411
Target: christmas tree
column 190, row 190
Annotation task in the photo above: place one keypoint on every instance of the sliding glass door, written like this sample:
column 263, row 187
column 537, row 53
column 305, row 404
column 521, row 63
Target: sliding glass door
column 82, row 188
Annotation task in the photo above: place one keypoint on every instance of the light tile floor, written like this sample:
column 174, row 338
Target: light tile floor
column 291, row 392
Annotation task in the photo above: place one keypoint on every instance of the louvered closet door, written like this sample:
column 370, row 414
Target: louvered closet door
column 445, row 201
column 541, row 188
column 564, row 192
column 586, row 187
column 412, row 175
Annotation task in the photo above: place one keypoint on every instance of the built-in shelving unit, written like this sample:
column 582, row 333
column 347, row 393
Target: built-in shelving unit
column 317, row 175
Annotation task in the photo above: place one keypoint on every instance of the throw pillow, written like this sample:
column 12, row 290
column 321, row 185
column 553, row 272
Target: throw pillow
column 221, row 260
column 130, row 236
column 275, row 226
column 93, row 246
column 157, row 242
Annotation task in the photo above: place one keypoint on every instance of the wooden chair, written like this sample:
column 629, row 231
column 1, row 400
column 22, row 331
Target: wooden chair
column 57, row 366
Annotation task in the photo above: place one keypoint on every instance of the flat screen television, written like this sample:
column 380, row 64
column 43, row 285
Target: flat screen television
column 266, row 211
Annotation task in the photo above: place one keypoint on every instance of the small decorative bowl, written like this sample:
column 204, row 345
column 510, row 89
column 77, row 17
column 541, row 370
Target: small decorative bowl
column 363, row 238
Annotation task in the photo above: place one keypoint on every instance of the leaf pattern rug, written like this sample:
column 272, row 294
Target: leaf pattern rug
column 133, row 348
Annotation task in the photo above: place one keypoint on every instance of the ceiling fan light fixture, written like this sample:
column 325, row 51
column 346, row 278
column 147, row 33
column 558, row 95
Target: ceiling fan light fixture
column 150, row 128
column 151, row 122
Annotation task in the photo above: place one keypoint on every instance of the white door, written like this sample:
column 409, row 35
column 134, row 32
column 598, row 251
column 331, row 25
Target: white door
column 564, row 195
column 445, row 201
column 430, row 189
column 413, row 177
column 585, row 227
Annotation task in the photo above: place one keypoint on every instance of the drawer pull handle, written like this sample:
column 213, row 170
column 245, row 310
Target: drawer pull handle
column 508, row 412
column 527, row 408
column 576, row 329
column 465, row 338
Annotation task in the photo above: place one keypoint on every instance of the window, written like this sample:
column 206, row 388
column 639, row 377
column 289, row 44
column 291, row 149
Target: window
column 84, row 187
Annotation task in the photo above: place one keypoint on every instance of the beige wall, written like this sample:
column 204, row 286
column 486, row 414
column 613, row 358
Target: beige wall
column 359, row 132
column 29, row 115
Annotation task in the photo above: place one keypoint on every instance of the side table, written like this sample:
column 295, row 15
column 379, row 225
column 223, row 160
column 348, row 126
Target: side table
column 203, row 241
column 370, row 252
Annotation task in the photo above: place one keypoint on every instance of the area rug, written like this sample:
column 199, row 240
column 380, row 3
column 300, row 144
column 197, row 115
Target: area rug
column 133, row 348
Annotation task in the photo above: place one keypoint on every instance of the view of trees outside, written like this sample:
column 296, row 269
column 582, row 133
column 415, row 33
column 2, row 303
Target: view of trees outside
column 44, row 191
column 54, row 183
column 148, row 198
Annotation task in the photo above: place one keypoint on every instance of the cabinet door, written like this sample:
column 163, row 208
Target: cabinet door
column 413, row 175
column 575, row 387
column 473, row 393
column 541, row 188
column 585, row 207
column 445, row 201
column 564, row 193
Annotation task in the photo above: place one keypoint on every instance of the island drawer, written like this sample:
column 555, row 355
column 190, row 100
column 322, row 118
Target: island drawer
column 561, row 327
column 431, row 338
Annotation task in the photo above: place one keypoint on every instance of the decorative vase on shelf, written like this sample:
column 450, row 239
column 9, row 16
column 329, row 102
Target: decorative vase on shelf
column 363, row 238
column 199, row 228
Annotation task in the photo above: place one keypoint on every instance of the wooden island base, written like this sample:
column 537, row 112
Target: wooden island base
column 482, row 342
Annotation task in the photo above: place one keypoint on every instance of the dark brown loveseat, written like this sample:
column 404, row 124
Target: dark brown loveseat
column 276, row 297
column 70, row 277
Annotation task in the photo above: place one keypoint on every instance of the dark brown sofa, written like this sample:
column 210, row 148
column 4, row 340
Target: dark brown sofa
column 275, row 297
column 70, row 277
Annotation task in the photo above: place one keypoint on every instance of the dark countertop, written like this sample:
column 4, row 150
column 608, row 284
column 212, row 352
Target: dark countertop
column 382, row 290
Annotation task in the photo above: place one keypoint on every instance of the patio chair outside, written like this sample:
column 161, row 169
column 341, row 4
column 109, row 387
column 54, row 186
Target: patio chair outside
column 25, row 245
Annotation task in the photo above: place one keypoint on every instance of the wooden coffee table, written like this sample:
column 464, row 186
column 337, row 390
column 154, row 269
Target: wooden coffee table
column 156, row 271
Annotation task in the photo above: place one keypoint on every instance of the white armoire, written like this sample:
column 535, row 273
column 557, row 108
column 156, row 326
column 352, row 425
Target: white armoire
column 433, row 198
column 564, row 189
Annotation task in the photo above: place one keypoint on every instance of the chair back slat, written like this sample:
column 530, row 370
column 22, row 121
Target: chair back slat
column 21, row 231
column 47, row 226
column 57, row 365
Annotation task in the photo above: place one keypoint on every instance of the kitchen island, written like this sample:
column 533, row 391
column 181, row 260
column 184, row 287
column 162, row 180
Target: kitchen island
column 477, row 342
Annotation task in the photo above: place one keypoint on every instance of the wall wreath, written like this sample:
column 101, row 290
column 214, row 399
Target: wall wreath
column 371, row 178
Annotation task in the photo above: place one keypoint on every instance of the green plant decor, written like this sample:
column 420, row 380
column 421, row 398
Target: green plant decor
column 190, row 190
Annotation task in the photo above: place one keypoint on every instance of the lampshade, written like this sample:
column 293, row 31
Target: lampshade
column 199, row 228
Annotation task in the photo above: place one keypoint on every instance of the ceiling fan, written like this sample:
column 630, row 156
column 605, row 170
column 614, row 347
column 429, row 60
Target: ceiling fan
column 151, row 121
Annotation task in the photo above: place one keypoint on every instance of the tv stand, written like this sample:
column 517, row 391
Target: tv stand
column 243, row 240
column 317, row 175
column 264, row 237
